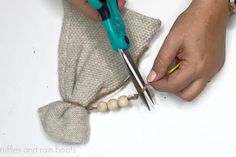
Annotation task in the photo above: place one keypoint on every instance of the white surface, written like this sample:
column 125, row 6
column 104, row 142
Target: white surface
column 29, row 34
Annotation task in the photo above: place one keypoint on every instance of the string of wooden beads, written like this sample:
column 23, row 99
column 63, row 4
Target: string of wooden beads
column 113, row 104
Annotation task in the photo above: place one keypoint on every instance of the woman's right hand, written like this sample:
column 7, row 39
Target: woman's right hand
column 84, row 7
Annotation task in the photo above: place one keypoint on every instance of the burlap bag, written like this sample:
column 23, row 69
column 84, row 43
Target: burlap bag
column 89, row 69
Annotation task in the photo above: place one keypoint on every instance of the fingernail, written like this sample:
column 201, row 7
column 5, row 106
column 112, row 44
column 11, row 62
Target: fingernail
column 152, row 76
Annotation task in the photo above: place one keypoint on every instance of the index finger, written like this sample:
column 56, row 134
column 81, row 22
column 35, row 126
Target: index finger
column 178, row 80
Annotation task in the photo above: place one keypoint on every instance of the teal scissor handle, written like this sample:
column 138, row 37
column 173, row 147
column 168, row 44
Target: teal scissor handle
column 112, row 22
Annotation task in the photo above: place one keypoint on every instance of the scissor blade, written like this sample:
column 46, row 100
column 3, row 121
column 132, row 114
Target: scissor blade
column 137, row 79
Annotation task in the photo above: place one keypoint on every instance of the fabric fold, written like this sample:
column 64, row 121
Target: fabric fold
column 65, row 122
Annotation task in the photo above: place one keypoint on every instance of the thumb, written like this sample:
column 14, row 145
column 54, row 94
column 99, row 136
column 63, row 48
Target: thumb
column 164, row 58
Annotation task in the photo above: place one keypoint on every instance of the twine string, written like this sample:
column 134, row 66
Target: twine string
column 135, row 96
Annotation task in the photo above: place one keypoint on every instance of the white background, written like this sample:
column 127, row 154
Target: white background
column 29, row 35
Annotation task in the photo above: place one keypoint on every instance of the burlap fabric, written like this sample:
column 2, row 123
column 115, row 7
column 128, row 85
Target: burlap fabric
column 89, row 69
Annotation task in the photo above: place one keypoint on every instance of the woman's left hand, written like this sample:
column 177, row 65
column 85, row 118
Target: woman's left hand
column 197, row 40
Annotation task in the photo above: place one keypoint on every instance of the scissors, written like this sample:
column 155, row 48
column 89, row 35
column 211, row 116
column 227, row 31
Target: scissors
column 116, row 31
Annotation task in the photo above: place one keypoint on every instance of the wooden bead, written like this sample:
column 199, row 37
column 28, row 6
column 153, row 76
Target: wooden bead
column 123, row 101
column 102, row 107
column 112, row 104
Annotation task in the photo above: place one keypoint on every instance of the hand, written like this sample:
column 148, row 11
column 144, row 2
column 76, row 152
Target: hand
column 197, row 41
column 84, row 7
